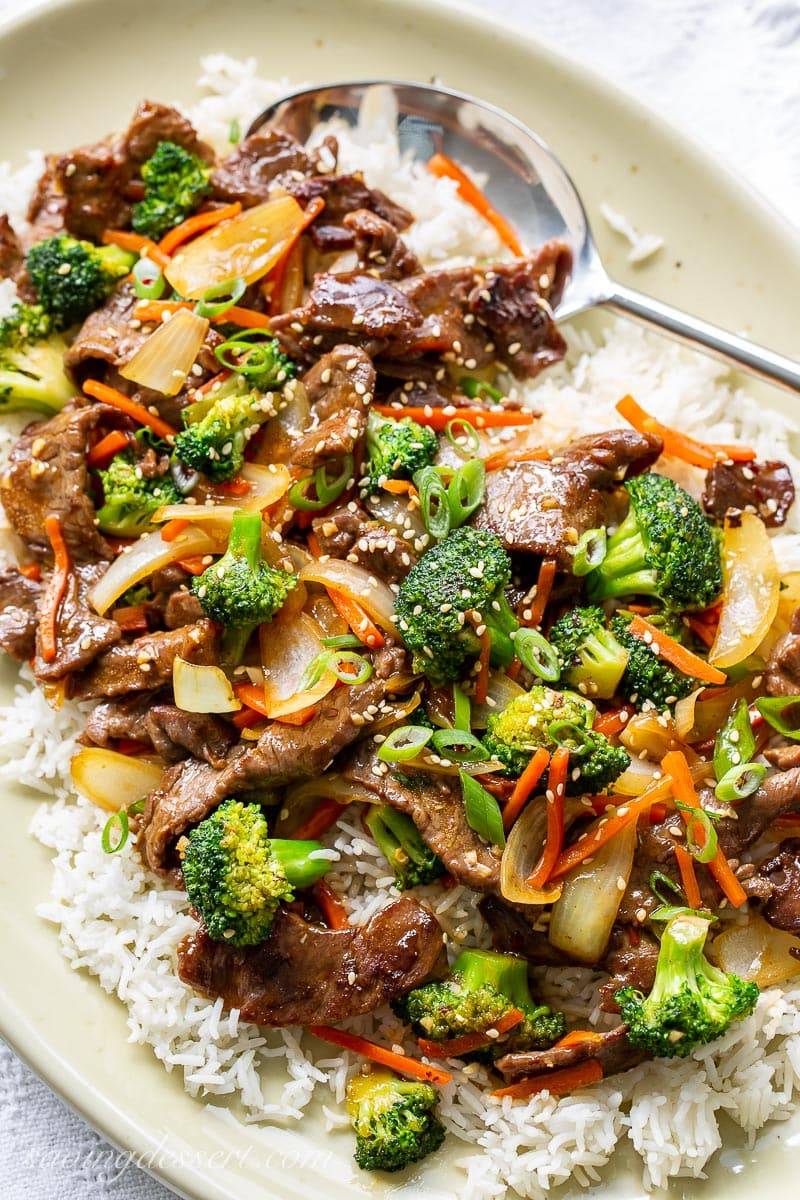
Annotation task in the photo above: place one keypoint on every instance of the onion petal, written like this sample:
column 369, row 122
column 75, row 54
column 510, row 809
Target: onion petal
column 756, row 952
column 111, row 780
column 165, row 359
column 149, row 554
column 288, row 644
column 202, row 689
column 751, row 590
column 523, row 850
column 592, row 892
column 374, row 596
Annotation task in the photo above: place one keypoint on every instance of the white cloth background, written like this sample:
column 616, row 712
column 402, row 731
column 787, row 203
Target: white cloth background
column 728, row 73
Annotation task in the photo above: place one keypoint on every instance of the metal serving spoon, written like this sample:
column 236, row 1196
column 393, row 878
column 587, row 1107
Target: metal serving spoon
column 527, row 184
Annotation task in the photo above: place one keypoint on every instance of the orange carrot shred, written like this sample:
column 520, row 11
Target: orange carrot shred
column 674, row 653
column 380, row 1054
column 245, row 318
column 136, row 244
column 609, row 825
column 443, row 167
column 197, row 224
column 195, row 564
column 557, row 1083
column 688, row 877
column 333, row 910
column 508, row 458
column 104, row 450
column 456, row 1047
column 554, row 838
column 357, row 619
column 282, row 270
column 322, row 818
column 524, row 786
column 131, row 618
column 301, row 716
column 611, row 723
column 681, row 445
column 54, row 592
column 440, row 418
column 117, row 399
column 31, row 571
column 173, row 529
column 544, row 586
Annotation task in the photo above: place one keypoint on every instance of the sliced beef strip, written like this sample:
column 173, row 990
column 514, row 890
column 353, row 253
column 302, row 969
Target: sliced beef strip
column 111, row 333
column 784, row 757
column 153, row 123
column 283, row 754
column 378, row 247
column 47, row 207
column 146, row 662
column 764, row 488
column 351, row 534
column 611, row 1049
column 340, row 387
column 631, row 961
column 149, row 718
column 436, row 807
column 513, row 933
column 12, row 259
column 182, row 608
column 250, row 171
column 81, row 635
column 544, row 507
column 353, row 303
column 304, row 974
column 47, row 474
column 783, row 873
column 344, row 194
column 19, row 599
column 782, row 674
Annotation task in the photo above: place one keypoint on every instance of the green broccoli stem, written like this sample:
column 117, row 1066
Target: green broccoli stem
column 116, row 261
column 624, row 570
column 603, row 664
column 293, row 857
column 400, row 842
column 681, row 961
column 244, row 542
column 504, row 972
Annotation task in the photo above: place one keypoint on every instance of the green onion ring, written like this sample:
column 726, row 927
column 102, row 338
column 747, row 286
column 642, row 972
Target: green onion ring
column 459, row 746
column 433, row 502
column 482, row 810
column 342, row 641
column 571, row 736
column 148, row 279
column 701, row 854
column 460, row 428
column 659, row 880
column 363, row 673
column 404, row 743
column 465, row 491
column 476, row 388
column 327, row 490
column 536, row 654
column 226, row 294
column 774, row 709
column 740, row 781
column 117, row 819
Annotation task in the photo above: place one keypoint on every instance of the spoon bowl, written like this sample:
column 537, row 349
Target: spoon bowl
column 524, row 180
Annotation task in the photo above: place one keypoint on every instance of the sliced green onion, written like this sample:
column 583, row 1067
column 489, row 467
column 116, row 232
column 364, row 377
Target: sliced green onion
column 235, row 132
column 218, row 299
column 118, row 821
column 571, row 736
column 774, row 709
column 734, row 744
column 476, row 389
column 590, row 551
column 536, row 654
column 405, row 743
column 315, row 670
column 659, row 880
column 136, row 809
column 342, row 641
column 462, row 714
column 462, row 436
column 363, row 671
column 250, row 352
column 148, row 279
column 465, row 491
column 327, row 490
column 433, row 502
column 740, row 781
column 482, row 810
column 459, row 746
column 703, row 818
column 668, row 911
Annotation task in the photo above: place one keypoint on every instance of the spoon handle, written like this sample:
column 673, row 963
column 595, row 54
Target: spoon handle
column 727, row 346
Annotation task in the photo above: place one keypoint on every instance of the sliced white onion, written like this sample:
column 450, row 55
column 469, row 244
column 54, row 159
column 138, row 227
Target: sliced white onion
column 500, row 693
column 395, row 512
column 246, row 247
column 592, row 892
column 523, row 850
column 756, row 952
column 374, row 596
column 111, row 780
column 637, row 777
column 288, row 645
column 149, row 554
column 684, row 714
column 166, row 358
column 751, row 591
column 202, row 689
column 279, row 434
column 651, row 733
column 302, row 799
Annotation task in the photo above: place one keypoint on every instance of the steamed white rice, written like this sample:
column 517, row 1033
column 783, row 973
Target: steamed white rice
column 123, row 925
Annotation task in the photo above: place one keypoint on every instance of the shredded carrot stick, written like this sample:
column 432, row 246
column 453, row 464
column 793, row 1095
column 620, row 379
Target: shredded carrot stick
column 300, row 716
column 399, row 487
column 117, row 399
column 31, row 571
column 554, row 838
column 644, row 610
column 195, row 564
column 513, row 671
column 557, row 1083
column 131, row 618
column 509, row 458
column 246, row 717
column 613, row 722
column 54, row 592
column 677, row 769
column 482, row 678
column 609, row 825
column 674, row 653
column 312, row 541
column 357, row 619
column 173, row 529
column 439, row 418
column 681, row 445
column 253, row 696
column 333, row 910
column 245, row 318
column 234, row 487
column 102, row 453
column 379, row 1054
column 524, row 786
column 196, row 224
column 578, row 1037
column 283, row 269
column 136, row 244
column 444, row 168
column 323, row 817
column 458, row 1046
column 688, row 877
column 544, row 586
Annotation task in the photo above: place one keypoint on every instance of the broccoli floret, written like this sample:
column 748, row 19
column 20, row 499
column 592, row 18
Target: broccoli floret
column 691, row 1002
column 237, row 877
column 32, row 372
column 591, row 658
column 482, row 987
column 396, row 449
column 129, row 500
column 240, row 590
column 465, row 573
column 647, row 677
column 72, row 278
column 544, row 717
column 394, row 1120
column 219, row 428
column 399, row 840
column 175, row 183
column 664, row 548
